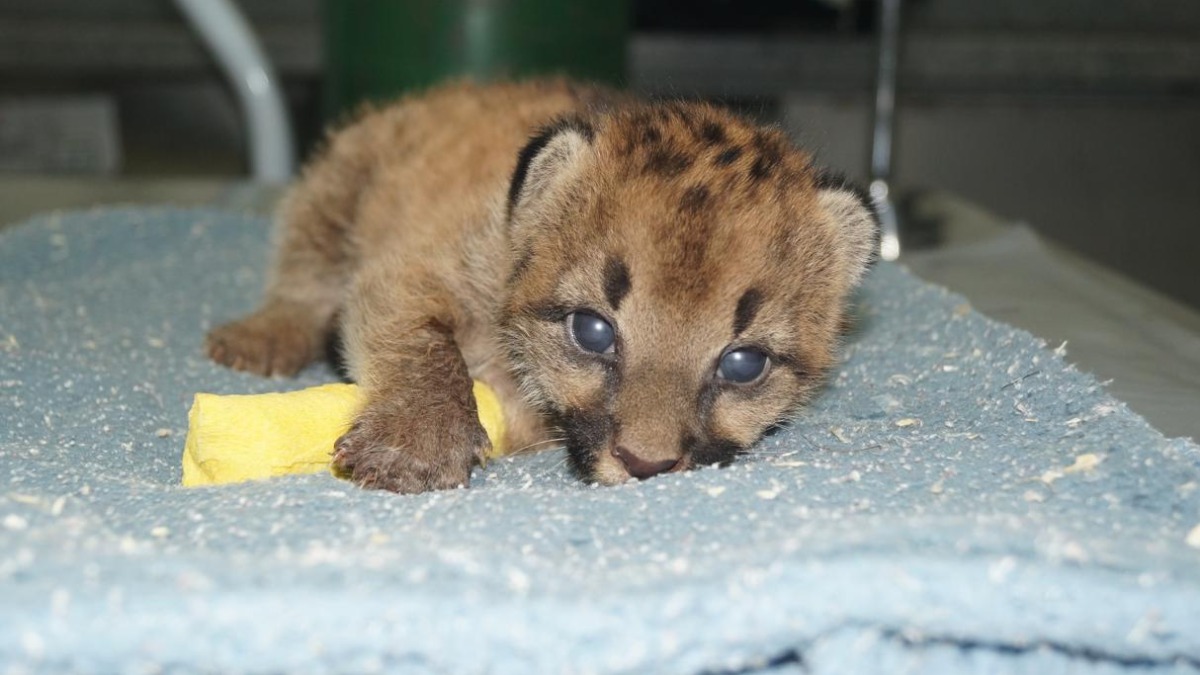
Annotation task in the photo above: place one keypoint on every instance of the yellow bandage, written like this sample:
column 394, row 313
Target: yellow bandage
column 245, row 437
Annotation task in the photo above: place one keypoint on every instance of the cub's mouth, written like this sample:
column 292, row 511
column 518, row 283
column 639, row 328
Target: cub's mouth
column 596, row 455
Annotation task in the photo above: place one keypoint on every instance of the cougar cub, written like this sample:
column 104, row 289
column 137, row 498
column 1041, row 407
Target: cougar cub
column 652, row 284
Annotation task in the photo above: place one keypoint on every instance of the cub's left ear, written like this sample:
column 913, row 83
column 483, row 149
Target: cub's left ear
column 851, row 210
column 547, row 159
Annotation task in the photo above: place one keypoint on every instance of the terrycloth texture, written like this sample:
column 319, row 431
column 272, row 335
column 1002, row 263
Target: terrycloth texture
column 917, row 519
column 238, row 437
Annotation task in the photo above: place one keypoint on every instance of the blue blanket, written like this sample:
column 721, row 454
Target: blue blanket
column 958, row 499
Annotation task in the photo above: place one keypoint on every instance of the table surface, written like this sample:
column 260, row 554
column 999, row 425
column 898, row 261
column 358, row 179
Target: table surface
column 1113, row 327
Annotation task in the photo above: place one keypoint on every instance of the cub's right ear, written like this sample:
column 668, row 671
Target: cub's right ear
column 855, row 218
column 551, row 155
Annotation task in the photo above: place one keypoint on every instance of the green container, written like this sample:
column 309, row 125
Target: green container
column 377, row 49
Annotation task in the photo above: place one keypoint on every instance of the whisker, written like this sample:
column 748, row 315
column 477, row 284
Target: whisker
column 560, row 463
column 763, row 452
column 535, row 444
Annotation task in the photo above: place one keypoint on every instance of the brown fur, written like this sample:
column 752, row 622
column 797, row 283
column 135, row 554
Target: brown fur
column 443, row 251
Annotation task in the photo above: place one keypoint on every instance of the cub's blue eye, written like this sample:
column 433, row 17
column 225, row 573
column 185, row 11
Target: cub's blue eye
column 743, row 365
column 591, row 332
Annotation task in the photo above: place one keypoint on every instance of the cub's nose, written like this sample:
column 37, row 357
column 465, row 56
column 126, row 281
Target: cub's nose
column 640, row 468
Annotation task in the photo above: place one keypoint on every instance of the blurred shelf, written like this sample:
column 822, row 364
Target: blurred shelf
column 976, row 62
column 22, row 197
column 934, row 62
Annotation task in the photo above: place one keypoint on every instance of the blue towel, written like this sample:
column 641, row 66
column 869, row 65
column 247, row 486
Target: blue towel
column 958, row 499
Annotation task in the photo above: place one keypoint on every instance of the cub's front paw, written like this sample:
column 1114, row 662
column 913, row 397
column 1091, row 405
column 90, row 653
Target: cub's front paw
column 410, row 453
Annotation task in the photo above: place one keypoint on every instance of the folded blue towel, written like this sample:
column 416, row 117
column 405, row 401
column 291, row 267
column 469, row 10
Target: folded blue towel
column 958, row 499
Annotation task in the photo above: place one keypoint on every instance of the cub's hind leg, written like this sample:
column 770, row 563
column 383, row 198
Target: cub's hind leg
column 314, row 258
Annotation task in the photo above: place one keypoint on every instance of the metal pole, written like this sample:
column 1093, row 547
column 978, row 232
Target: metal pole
column 229, row 37
column 885, row 126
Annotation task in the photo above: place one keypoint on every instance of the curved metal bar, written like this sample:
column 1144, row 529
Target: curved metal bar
column 230, row 39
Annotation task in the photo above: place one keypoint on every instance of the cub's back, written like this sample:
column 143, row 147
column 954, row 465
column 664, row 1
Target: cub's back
column 442, row 159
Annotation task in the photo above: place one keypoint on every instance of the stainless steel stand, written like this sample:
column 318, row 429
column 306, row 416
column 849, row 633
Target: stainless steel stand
column 885, row 126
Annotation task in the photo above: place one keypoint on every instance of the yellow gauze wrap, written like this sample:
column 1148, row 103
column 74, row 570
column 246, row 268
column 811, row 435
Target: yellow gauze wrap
column 245, row 437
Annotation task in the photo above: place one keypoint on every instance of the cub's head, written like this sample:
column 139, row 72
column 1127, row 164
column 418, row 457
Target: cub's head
column 678, row 283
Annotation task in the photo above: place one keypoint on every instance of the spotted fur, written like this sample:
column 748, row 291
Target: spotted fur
column 453, row 235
